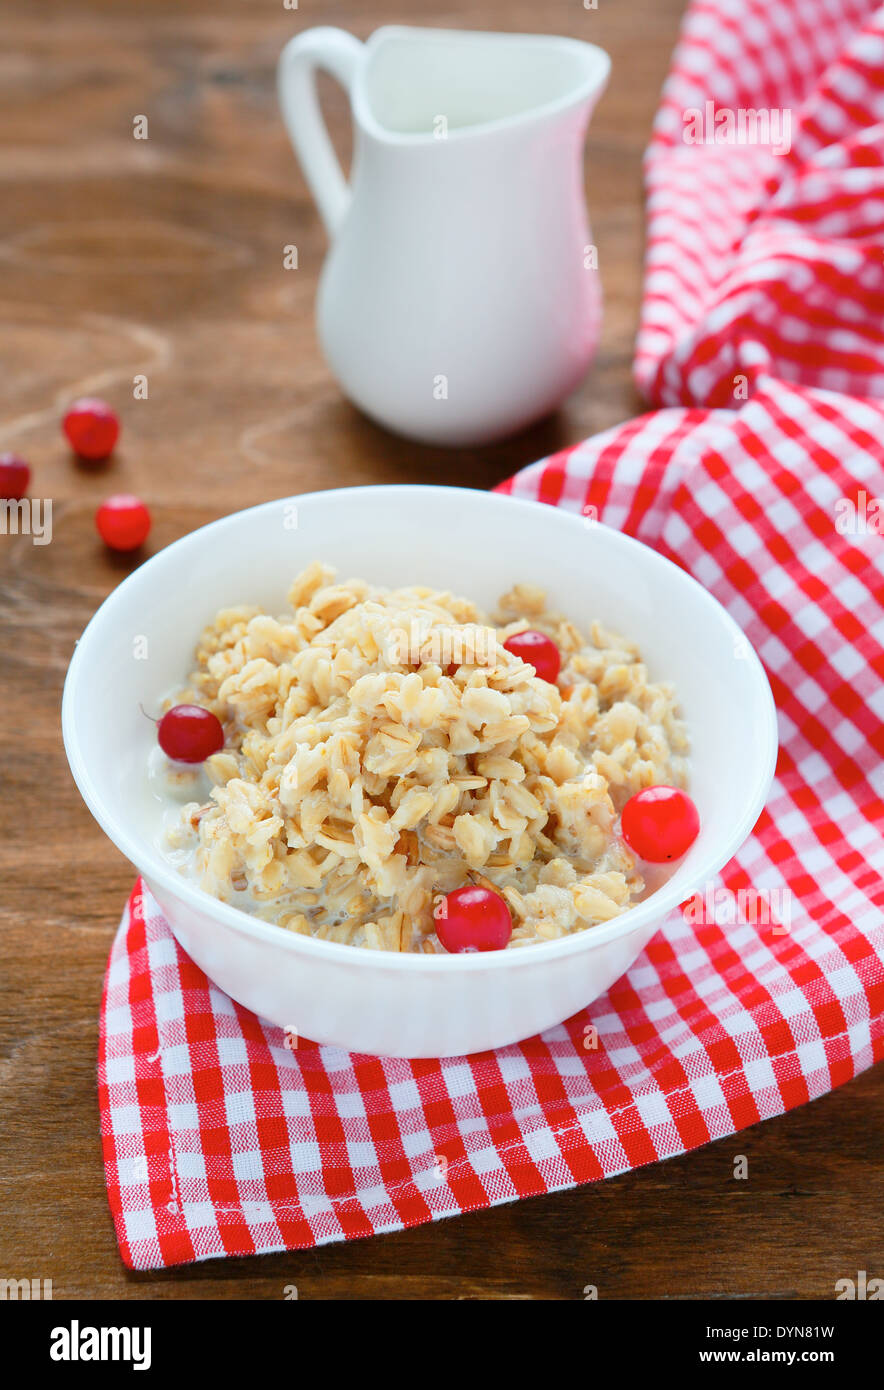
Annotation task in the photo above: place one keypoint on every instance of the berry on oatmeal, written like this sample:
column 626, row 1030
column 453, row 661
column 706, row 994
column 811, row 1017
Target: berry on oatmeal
column 539, row 651
column 660, row 823
column 473, row 919
column 190, row 734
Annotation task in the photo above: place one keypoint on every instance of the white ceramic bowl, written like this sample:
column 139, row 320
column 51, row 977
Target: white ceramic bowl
column 479, row 545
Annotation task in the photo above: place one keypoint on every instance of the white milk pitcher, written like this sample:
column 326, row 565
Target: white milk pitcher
column 459, row 300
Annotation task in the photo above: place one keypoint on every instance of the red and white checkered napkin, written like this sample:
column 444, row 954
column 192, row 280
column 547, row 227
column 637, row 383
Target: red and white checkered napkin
column 765, row 282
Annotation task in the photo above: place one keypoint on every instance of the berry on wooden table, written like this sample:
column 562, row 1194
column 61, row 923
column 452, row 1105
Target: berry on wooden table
column 15, row 475
column 539, row 651
column 92, row 428
column 190, row 734
column 660, row 823
column 123, row 521
column 473, row 919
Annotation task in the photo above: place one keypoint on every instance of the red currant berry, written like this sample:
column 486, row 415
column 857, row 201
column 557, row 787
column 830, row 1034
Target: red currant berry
column 91, row 427
column 660, row 823
column 473, row 919
column 123, row 522
column 190, row 734
column 14, row 477
column 539, row 651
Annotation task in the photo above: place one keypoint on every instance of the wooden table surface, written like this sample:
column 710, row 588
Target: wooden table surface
column 164, row 257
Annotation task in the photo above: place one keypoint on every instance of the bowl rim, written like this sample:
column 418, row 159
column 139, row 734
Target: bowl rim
column 150, row 864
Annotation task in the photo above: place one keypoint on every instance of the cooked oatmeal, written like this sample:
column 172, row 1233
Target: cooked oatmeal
column 383, row 748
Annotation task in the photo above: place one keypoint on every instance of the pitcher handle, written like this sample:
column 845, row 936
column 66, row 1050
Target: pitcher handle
column 338, row 53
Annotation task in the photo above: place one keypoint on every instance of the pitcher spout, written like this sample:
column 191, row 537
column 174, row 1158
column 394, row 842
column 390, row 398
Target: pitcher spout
column 426, row 84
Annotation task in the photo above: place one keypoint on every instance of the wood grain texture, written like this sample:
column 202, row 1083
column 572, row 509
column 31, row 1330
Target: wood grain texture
column 165, row 257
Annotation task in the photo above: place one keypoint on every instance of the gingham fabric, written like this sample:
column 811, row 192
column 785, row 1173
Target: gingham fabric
column 767, row 989
column 767, row 256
